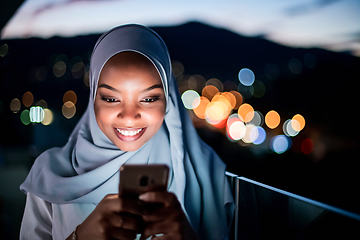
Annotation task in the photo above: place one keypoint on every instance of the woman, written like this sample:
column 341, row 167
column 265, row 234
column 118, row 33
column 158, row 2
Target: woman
column 134, row 116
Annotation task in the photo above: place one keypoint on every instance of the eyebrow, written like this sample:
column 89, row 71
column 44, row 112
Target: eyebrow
column 115, row 90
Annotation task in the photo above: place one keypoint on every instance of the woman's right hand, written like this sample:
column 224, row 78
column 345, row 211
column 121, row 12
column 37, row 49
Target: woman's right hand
column 114, row 217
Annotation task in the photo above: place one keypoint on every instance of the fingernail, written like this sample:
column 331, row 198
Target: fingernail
column 143, row 197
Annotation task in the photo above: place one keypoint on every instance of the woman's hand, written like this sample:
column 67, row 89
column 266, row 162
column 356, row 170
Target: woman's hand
column 169, row 220
column 114, row 217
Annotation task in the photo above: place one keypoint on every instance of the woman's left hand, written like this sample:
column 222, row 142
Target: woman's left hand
column 169, row 220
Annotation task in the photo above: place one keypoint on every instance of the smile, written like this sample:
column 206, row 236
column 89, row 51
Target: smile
column 129, row 134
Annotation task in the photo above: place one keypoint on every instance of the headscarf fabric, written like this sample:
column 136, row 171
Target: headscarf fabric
column 86, row 169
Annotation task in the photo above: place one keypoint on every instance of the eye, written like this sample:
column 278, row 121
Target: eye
column 150, row 99
column 110, row 100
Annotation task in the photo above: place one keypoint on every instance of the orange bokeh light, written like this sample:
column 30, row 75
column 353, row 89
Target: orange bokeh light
column 246, row 110
column 200, row 109
column 272, row 119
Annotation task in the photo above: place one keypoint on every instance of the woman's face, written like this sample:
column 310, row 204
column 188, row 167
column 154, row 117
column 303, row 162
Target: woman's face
column 130, row 100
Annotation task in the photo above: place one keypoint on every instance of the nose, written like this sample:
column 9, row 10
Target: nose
column 129, row 113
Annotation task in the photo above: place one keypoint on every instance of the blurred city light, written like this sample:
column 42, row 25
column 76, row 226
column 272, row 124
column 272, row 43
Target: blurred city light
column 295, row 66
column 299, row 119
column 246, row 77
column 209, row 91
column 177, row 68
column 280, row 144
column 68, row 109
column 239, row 99
column 288, row 128
column 70, row 96
column 48, row 117
column 59, row 68
column 42, row 103
column 36, row 114
column 258, row 89
column 25, row 117
column 272, row 119
column 307, row 146
column 15, row 105
column 27, row 99
column 4, row 48
column 236, row 129
column 251, row 133
column 191, row 99
column 257, row 118
column 200, row 109
column 261, row 135
column 246, row 111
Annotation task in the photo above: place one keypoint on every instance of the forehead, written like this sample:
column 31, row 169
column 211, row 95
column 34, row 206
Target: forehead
column 133, row 62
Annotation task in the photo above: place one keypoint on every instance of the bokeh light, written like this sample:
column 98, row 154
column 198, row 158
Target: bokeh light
column 301, row 120
column 15, row 105
column 48, row 117
column 190, row 99
column 36, row 114
column 257, row 118
column 216, row 112
column 59, row 68
column 246, row 111
column 246, row 77
column 27, row 99
column 42, row 103
column 209, row 91
column 251, row 133
column 280, row 144
column 239, row 99
column 236, row 130
column 215, row 82
column 272, row 119
column 68, row 109
column 307, row 146
column 4, row 49
column 70, row 96
column 177, row 68
column 230, row 98
column 41, row 73
column 25, row 117
column 200, row 109
column 288, row 128
column 295, row 66
column 258, row 89
column 261, row 135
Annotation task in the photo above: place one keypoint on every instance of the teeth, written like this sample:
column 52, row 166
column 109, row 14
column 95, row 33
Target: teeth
column 128, row 133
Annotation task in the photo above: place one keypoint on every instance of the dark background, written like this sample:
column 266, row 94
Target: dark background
column 326, row 95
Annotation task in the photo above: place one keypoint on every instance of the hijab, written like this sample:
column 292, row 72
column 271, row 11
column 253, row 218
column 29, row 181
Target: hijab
column 86, row 169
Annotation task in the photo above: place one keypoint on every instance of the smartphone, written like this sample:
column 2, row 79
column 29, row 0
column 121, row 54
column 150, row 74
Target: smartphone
column 136, row 179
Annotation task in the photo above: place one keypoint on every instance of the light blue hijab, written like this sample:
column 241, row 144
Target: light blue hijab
column 87, row 167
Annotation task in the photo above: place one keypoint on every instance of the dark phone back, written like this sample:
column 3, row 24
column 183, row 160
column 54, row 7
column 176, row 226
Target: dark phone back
column 136, row 179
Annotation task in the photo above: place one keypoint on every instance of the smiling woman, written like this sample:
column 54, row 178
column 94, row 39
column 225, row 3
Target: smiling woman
column 130, row 100
column 134, row 116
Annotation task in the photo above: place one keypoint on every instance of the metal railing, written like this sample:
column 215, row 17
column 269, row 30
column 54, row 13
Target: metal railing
column 265, row 212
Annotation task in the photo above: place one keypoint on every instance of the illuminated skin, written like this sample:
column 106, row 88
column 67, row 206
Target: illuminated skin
column 130, row 101
column 130, row 108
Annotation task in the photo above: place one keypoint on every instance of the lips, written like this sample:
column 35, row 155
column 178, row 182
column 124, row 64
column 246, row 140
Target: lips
column 129, row 134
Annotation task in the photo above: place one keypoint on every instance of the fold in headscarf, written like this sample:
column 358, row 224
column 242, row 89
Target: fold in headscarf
column 87, row 167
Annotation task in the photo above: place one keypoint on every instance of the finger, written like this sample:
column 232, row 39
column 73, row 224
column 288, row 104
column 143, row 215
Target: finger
column 120, row 233
column 114, row 203
column 167, row 198
column 126, row 221
column 159, row 228
column 164, row 214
